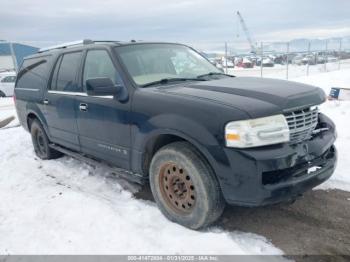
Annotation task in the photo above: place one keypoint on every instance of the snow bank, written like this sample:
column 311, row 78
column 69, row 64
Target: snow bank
column 339, row 78
column 67, row 207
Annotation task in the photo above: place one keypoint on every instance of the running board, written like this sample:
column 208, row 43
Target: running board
column 120, row 172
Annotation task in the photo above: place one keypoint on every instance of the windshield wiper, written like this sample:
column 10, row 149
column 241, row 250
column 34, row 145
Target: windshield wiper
column 169, row 80
column 214, row 73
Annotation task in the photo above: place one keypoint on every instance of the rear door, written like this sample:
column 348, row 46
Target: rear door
column 103, row 122
column 60, row 100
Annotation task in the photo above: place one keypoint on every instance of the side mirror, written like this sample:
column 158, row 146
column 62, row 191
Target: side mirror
column 102, row 86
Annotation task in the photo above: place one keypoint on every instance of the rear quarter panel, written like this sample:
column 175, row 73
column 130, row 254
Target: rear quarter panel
column 30, row 87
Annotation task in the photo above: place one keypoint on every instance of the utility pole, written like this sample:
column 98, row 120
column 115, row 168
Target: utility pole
column 339, row 56
column 14, row 59
column 262, row 56
column 308, row 60
column 325, row 57
column 287, row 66
column 226, row 58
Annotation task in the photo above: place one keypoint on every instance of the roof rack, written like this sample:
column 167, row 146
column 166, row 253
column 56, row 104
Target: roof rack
column 76, row 43
column 65, row 45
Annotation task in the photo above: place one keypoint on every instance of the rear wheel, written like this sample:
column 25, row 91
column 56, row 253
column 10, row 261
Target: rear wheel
column 2, row 94
column 41, row 142
column 184, row 186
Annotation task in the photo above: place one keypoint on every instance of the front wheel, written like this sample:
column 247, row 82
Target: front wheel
column 184, row 186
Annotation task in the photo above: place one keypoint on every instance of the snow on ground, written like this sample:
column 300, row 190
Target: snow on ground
column 7, row 109
column 280, row 71
column 65, row 206
column 339, row 78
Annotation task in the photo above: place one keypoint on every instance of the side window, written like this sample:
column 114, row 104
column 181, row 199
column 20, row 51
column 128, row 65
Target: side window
column 99, row 64
column 33, row 73
column 53, row 84
column 66, row 69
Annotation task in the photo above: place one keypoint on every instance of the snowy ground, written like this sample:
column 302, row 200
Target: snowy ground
column 65, row 206
column 7, row 109
column 294, row 71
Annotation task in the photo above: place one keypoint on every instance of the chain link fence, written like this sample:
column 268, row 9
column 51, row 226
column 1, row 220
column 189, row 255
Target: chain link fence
column 284, row 60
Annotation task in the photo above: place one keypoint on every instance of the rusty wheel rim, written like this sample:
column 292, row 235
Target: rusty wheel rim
column 177, row 188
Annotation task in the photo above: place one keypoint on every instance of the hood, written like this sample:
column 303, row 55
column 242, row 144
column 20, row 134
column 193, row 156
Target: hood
column 256, row 96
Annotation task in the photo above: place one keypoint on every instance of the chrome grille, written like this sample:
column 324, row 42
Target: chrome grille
column 301, row 123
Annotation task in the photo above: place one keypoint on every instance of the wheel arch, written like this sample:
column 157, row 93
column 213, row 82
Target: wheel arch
column 31, row 116
column 165, row 137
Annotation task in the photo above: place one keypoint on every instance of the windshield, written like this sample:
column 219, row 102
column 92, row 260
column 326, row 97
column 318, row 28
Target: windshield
column 149, row 63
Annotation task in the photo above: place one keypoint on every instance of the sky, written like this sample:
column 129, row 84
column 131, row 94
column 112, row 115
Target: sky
column 201, row 22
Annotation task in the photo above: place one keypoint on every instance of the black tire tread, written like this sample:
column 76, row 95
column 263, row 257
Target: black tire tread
column 216, row 201
column 51, row 153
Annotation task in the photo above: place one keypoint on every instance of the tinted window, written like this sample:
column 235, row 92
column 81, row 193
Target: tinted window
column 99, row 64
column 33, row 73
column 66, row 69
column 55, row 72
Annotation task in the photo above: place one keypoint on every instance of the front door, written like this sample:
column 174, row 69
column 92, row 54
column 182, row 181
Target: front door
column 60, row 101
column 103, row 121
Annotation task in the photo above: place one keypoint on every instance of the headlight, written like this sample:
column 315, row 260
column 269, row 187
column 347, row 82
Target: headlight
column 257, row 132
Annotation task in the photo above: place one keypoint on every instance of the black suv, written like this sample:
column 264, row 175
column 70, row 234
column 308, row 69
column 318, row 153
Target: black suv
column 161, row 112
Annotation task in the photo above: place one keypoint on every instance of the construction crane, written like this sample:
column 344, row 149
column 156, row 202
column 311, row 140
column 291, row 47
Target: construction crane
column 253, row 48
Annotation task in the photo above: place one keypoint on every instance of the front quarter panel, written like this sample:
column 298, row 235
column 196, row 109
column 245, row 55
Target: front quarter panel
column 198, row 121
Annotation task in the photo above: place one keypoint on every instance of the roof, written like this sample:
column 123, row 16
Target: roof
column 78, row 45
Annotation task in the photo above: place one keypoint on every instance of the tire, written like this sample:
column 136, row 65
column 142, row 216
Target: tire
column 185, row 187
column 41, row 142
column 2, row 94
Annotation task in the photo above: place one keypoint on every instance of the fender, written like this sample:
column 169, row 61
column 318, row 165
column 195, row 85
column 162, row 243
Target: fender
column 34, row 109
column 193, row 132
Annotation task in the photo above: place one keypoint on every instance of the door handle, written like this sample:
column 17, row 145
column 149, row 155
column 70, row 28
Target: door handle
column 46, row 101
column 83, row 107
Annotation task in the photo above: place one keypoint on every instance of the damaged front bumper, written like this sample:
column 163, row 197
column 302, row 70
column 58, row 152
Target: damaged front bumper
column 273, row 174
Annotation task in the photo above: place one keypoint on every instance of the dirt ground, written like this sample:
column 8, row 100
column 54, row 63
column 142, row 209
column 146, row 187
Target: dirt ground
column 318, row 223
